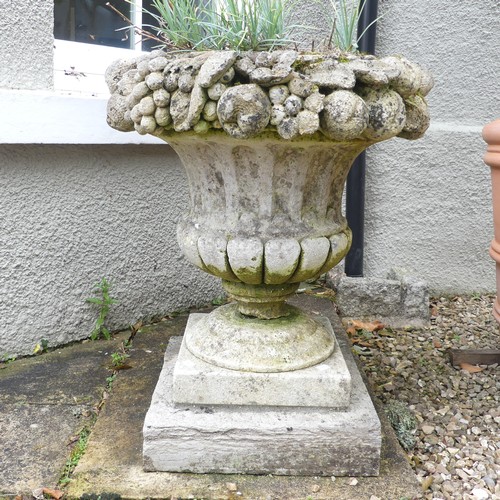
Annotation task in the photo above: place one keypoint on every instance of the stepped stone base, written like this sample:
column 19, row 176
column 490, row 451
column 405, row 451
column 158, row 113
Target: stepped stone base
column 327, row 384
column 260, row 439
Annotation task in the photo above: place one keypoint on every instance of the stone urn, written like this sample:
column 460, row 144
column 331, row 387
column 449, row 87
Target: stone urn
column 267, row 140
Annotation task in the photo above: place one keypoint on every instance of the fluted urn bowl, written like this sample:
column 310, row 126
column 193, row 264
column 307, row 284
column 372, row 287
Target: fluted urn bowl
column 267, row 141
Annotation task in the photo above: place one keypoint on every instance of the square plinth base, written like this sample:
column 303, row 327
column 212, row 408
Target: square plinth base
column 260, row 439
column 326, row 384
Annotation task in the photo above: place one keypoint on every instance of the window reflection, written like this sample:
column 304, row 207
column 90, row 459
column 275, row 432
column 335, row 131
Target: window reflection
column 91, row 21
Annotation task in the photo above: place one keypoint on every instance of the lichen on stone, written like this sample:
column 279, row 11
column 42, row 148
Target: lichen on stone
column 286, row 92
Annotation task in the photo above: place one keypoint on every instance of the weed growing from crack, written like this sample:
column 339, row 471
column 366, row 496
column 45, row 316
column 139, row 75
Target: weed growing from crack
column 76, row 454
column 104, row 300
column 119, row 358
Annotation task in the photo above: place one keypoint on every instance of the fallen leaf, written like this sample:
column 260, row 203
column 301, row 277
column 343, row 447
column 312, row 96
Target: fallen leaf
column 386, row 333
column 470, row 368
column 437, row 344
column 364, row 343
column 57, row 494
column 426, row 483
column 354, row 325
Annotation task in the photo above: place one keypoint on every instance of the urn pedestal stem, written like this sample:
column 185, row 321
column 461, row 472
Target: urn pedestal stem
column 261, row 301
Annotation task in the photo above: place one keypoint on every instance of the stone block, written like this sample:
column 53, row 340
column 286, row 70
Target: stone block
column 400, row 300
column 327, row 384
column 261, row 439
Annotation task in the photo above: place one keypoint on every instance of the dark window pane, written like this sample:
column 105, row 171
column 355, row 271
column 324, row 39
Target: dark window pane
column 149, row 23
column 90, row 21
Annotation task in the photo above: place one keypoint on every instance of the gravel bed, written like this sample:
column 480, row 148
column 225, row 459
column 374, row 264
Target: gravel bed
column 457, row 413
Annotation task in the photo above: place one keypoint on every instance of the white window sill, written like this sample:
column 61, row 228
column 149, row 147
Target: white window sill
column 75, row 111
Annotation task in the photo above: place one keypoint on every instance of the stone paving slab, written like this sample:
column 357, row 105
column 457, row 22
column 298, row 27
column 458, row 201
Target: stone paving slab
column 113, row 461
column 44, row 401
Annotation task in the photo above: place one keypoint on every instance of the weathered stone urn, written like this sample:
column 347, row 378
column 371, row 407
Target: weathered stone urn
column 267, row 140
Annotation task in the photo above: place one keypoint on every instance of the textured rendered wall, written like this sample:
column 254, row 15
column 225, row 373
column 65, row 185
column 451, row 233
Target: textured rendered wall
column 428, row 203
column 27, row 43
column 73, row 214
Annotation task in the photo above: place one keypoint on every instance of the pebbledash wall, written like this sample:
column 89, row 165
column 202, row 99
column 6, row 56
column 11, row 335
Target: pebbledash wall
column 79, row 201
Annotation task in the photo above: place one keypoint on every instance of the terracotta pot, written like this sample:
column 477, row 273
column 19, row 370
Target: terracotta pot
column 491, row 134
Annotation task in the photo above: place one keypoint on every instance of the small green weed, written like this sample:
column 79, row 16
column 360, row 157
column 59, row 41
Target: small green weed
column 104, row 300
column 118, row 359
column 7, row 358
column 219, row 301
column 76, row 454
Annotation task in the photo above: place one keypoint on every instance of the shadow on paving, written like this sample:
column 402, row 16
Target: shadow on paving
column 42, row 401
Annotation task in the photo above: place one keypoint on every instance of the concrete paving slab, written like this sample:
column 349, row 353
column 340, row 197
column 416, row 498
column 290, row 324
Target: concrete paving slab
column 45, row 401
column 67, row 375
column 113, row 461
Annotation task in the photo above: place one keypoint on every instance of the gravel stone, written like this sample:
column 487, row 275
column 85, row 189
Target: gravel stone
column 227, row 76
column 333, row 76
column 345, row 115
column 460, row 458
column 116, row 114
column 143, row 68
column 148, row 123
column 417, row 118
column 179, row 108
column 244, row 111
column 140, row 90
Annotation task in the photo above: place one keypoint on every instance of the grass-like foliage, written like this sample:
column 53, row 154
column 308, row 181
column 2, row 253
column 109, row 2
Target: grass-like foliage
column 241, row 24
column 344, row 24
column 227, row 24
